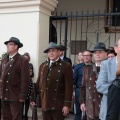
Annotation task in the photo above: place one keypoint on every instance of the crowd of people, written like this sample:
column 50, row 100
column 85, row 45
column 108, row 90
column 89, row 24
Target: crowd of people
column 92, row 82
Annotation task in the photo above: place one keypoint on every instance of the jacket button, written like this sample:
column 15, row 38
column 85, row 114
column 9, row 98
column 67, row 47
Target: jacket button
column 6, row 89
column 6, row 81
column 5, row 98
column 55, row 89
column 8, row 73
column 53, row 108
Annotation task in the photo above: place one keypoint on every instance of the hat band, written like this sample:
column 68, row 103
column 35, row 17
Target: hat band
column 98, row 47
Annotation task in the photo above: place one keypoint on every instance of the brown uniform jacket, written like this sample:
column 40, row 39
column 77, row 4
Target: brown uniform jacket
column 88, row 92
column 14, row 76
column 55, row 85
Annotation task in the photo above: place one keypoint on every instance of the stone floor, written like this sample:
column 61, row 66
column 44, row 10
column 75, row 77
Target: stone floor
column 69, row 117
column 39, row 113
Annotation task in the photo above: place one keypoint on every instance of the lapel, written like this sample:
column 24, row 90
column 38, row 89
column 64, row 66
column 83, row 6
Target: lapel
column 7, row 63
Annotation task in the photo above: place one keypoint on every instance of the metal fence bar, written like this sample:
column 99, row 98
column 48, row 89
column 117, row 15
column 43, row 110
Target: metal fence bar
column 76, row 24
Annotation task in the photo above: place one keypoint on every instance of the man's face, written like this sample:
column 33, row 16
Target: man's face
column 87, row 57
column 11, row 47
column 117, row 49
column 53, row 54
column 100, row 55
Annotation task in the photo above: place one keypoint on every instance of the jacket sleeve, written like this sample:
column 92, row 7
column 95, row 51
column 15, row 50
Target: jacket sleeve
column 68, row 85
column 102, row 81
column 75, row 75
column 25, row 79
column 83, row 89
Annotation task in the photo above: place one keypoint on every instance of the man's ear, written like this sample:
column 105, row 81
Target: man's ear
column 16, row 47
column 115, row 48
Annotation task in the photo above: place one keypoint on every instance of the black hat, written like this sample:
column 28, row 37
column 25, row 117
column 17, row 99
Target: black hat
column 62, row 48
column 100, row 46
column 52, row 45
column 15, row 40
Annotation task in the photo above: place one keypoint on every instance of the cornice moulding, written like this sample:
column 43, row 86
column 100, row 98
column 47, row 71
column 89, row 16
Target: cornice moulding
column 22, row 5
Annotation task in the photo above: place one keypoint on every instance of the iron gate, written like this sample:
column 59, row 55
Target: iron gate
column 81, row 31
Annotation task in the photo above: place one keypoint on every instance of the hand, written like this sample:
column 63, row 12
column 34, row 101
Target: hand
column 82, row 107
column 65, row 110
column 21, row 100
column 32, row 103
column 30, row 72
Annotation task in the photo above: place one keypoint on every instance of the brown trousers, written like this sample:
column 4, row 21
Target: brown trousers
column 52, row 115
column 12, row 110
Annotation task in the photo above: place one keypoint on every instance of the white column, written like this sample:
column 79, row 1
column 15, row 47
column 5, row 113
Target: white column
column 27, row 20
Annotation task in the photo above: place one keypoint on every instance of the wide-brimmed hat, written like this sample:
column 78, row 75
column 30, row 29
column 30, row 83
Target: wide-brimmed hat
column 99, row 46
column 52, row 45
column 15, row 40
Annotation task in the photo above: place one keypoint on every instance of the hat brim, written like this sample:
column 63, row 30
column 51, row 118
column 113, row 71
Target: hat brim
column 98, row 50
column 46, row 51
column 19, row 44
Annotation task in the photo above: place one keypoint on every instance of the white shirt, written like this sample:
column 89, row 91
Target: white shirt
column 10, row 57
column 61, row 57
column 53, row 61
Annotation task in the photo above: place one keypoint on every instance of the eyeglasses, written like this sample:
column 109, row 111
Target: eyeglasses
column 10, row 44
column 86, row 55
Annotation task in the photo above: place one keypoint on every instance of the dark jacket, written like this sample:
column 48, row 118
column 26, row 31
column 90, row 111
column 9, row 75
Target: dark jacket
column 66, row 59
column 55, row 85
column 88, row 92
column 15, row 78
column 77, row 76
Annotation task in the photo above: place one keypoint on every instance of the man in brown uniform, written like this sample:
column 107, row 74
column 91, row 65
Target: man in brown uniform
column 55, row 85
column 14, row 76
column 90, row 99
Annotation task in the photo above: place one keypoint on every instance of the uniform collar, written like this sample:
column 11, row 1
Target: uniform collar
column 10, row 57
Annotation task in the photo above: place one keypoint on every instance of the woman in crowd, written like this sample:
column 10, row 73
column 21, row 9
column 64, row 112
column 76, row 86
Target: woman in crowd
column 27, row 56
column 79, row 59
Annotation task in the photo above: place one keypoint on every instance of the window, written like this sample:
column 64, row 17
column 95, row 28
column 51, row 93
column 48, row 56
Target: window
column 112, row 23
column 77, row 46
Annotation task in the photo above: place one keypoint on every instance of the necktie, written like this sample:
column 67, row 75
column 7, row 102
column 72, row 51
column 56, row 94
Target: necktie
column 50, row 64
column 9, row 59
column 118, row 69
column 98, row 69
